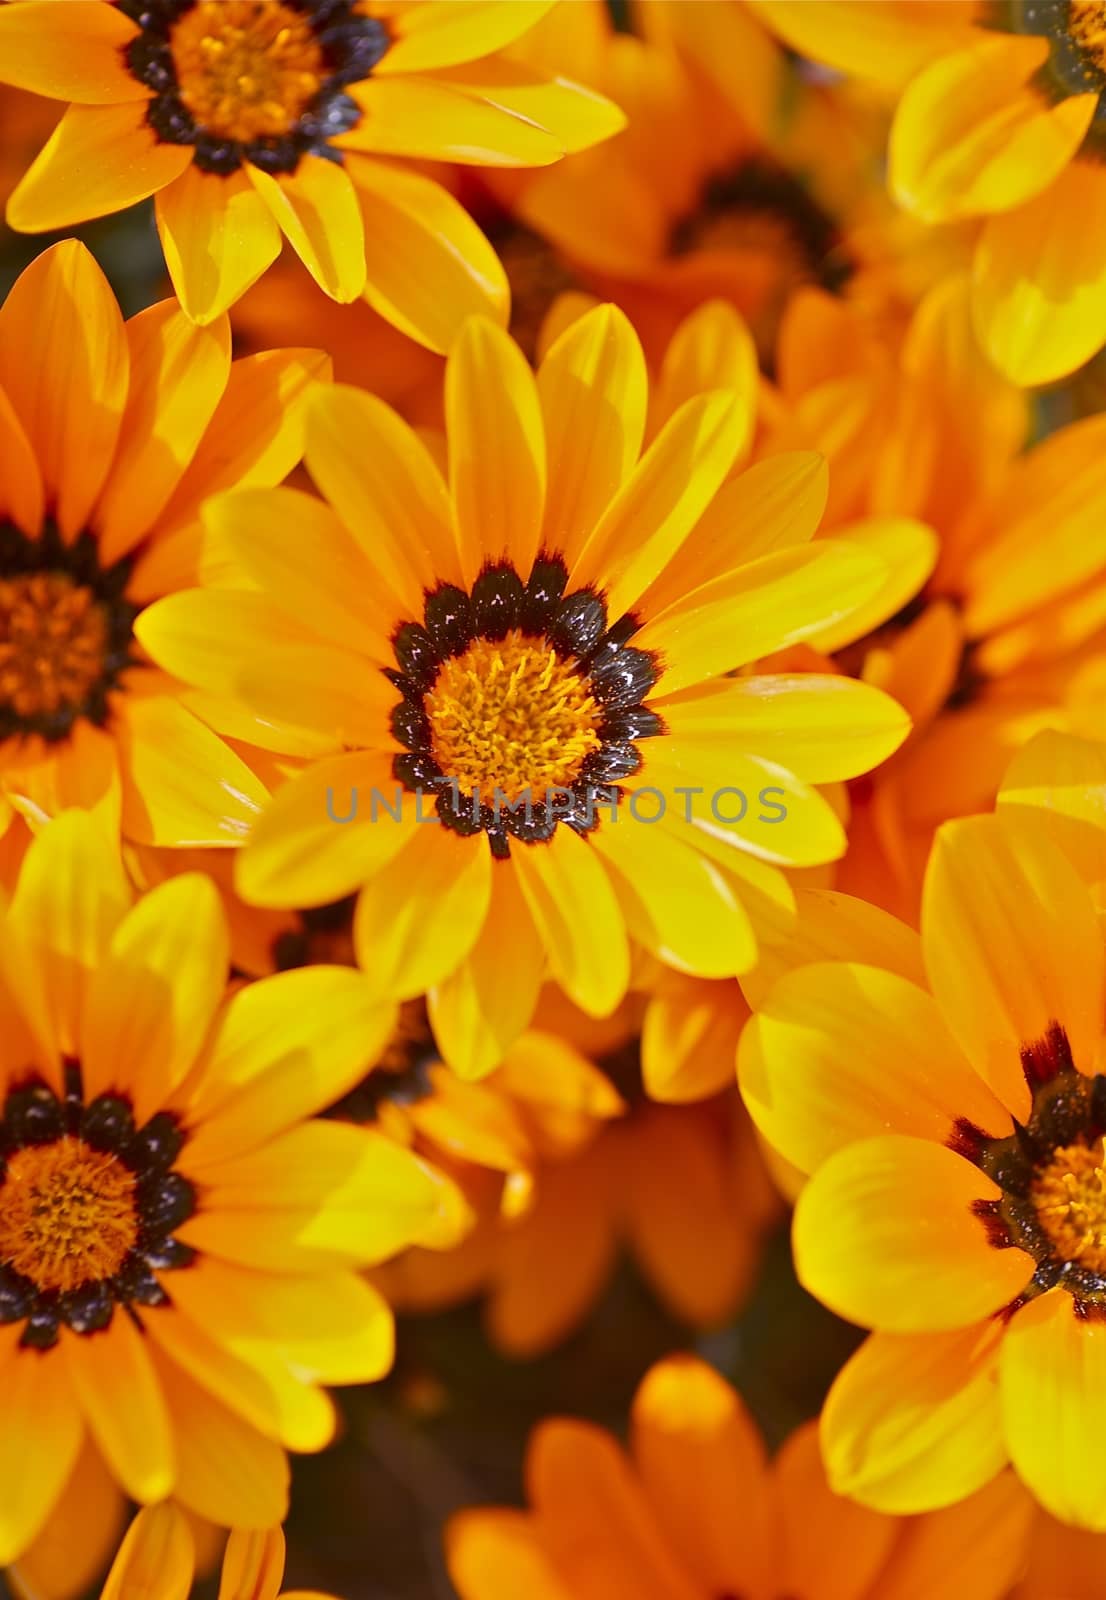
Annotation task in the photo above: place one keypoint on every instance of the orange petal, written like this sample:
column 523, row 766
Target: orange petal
column 698, row 1453
column 117, row 1388
column 39, row 1441
column 157, row 1557
column 64, row 366
column 497, row 462
column 177, row 376
column 1012, row 946
column 21, row 494
column 69, row 50
column 1039, row 290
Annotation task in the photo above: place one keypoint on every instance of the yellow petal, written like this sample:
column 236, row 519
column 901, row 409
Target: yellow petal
column 575, row 911
column 913, row 1420
column 1053, row 1381
column 317, row 211
column 839, row 1051
column 385, row 486
column 21, row 494
column 281, row 1050
column 434, row 120
column 152, row 999
column 227, row 1472
column 593, row 390
column 318, row 839
column 972, row 134
column 859, row 1249
column 99, row 159
column 1039, row 282
column 428, row 266
column 445, row 31
column 405, row 951
column 760, row 607
column 822, row 728
column 181, row 784
column 253, row 1565
column 218, row 236
column 480, row 1009
column 659, row 503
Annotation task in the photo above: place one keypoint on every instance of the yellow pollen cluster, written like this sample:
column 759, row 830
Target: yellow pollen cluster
column 1087, row 27
column 53, row 638
column 246, row 69
column 511, row 716
column 67, row 1214
column 1069, row 1196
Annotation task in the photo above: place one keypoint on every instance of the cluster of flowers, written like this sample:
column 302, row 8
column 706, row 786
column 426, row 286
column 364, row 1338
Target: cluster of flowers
column 642, row 409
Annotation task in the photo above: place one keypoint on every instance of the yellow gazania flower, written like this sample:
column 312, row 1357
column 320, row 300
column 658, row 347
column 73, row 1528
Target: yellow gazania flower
column 111, row 435
column 254, row 121
column 737, row 178
column 693, row 1510
column 1001, row 118
column 567, row 1164
column 953, row 1128
column 174, row 1231
column 1003, row 631
column 554, row 624
column 157, row 1561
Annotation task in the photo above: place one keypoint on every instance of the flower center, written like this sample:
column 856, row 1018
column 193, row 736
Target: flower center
column 761, row 217
column 65, row 632
column 520, row 707
column 511, row 718
column 247, row 69
column 1069, row 1194
column 53, row 643
column 1087, row 30
column 88, row 1207
column 262, row 81
column 1050, row 1171
column 67, row 1214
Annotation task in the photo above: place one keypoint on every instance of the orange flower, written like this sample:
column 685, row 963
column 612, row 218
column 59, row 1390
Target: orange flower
column 692, row 1510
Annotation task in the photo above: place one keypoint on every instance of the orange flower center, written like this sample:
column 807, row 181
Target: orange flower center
column 511, row 718
column 67, row 1214
column 247, row 69
column 1087, row 27
column 53, row 643
column 1069, row 1196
